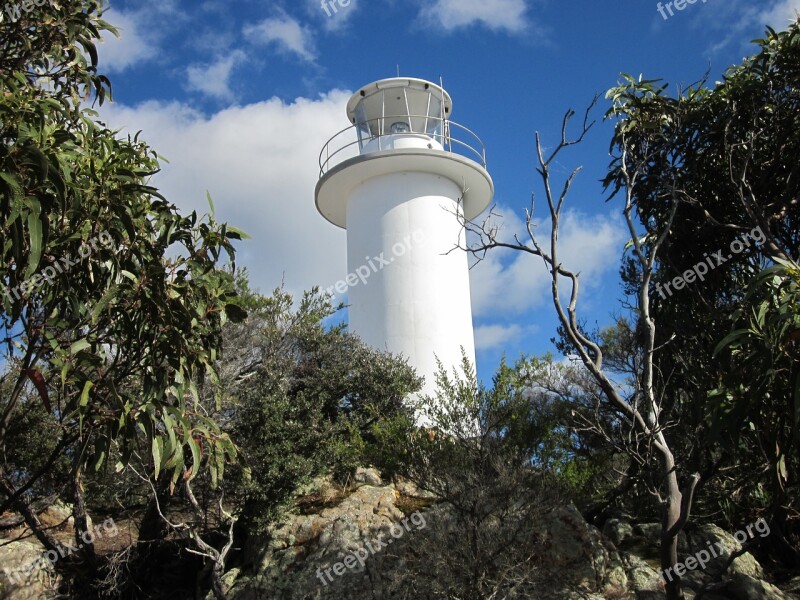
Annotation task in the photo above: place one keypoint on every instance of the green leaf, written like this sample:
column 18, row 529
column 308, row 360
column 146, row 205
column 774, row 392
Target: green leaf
column 78, row 346
column 730, row 339
column 158, row 452
column 103, row 303
column 12, row 182
column 35, row 233
column 195, row 458
column 87, row 386
column 783, row 473
column 210, row 202
column 235, row 233
column 99, row 458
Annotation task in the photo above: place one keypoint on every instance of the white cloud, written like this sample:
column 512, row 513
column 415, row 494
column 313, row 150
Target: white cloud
column 509, row 15
column 133, row 45
column 259, row 163
column 286, row 33
column 488, row 337
column 739, row 20
column 779, row 15
column 511, row 282
column 213, row 79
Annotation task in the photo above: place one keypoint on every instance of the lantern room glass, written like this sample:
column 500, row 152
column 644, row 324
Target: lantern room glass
column 400, row 111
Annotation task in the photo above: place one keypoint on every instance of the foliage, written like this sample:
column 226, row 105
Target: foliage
column 495, row 461
column 113, row 304
column 726, row 156
column 308, row 401
column 759, row 392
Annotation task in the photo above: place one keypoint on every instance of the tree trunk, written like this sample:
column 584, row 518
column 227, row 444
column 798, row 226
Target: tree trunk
column 20, row 504
column 669, row 538
column 153, row 527
column 84, row 536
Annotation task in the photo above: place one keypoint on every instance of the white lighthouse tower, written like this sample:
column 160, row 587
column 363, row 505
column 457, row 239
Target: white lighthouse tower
column 396, row 180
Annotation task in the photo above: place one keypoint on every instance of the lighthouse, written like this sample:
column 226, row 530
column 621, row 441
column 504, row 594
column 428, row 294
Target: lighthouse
column 400, row 180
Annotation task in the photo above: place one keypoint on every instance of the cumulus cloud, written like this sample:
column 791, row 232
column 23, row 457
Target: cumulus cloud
column 498, row 15
column 285, row 33
column 736, row 19
column 489, row 337
column 779, row 15
column 260, row 164
column 214, row 79
column 514, row 282
column 134, row 44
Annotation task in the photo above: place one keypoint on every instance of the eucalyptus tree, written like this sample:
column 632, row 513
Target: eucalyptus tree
column 114, row 301
column 733, row 152
column 709, row 187
column 638, row 425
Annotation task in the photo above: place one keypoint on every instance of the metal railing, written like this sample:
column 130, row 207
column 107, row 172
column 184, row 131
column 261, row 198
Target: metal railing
column 335, row 151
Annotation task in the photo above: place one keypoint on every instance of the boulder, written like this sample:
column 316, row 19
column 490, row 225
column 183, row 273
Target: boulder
column 715, row 540
column 293, row 564
column 744, row 587
column 575, row 549
column 644, row 579
column 24, row 572
column 368, row 476
column 617, row 530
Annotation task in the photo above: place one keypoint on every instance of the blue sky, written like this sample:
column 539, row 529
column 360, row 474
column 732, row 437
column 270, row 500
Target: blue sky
column 241, row 96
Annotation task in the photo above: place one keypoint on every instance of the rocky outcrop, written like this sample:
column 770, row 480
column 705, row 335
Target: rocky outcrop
column 578, row 553
column 327, row 555
column 347, row 550
column 704, row 549
column 365, row 543
column 356, row 549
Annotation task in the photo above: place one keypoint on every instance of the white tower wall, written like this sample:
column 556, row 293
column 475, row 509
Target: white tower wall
column 418, row 305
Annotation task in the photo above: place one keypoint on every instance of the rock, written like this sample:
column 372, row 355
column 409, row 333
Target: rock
column 576, row 551
column 744, row 587
column 792, row 586
column 643, row 578
column 617, row 575
column 58, row 513
column 368, row 476
column 25, row 574
column 313, row 556
column 651, row 532
column 714, row 540
column 617, row 531
column 293, row 562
